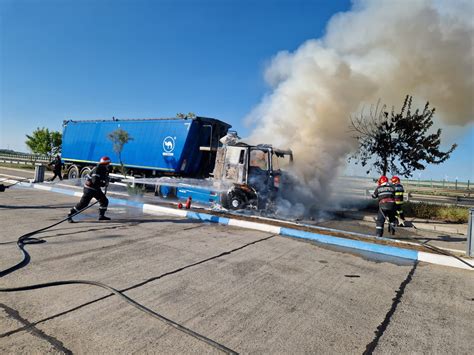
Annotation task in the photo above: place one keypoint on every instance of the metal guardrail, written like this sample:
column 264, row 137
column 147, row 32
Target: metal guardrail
column 24, row 159
column 415, row 197
column 433, row 184
column 452, row 200
column 443, row 184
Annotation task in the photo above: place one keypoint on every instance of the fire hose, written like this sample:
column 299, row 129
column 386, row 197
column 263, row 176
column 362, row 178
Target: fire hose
column 27, row 239
column 427, row 246
column 130, row 301
column 3, row 187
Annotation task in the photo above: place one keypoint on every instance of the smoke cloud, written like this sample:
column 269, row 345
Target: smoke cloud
column 381, row 49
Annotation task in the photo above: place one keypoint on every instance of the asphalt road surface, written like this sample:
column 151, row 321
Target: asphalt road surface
column 249, row 291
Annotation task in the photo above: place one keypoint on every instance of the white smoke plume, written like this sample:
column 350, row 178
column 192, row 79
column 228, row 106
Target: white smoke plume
column 380, row 49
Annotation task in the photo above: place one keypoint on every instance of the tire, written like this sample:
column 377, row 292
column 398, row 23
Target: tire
column 85, row 171
column 73, row 172
column 233, row 200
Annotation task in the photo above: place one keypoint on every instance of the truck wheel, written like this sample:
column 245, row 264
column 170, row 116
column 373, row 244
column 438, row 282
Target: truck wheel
column 73, row 172
column 233, row 200
column 84, row 172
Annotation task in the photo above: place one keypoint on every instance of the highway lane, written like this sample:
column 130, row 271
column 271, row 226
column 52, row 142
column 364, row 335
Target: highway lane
column 250, row 291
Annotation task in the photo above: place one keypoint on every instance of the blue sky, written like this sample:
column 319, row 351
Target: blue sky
column 65, row 59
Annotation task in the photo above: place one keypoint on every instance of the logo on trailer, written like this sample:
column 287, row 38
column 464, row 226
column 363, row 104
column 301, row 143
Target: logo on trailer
column 168, row 145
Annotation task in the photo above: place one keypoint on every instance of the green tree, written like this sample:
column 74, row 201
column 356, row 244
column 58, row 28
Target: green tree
column 44, row 141
column 189, row 115
column 119, row 138
column 398, row 143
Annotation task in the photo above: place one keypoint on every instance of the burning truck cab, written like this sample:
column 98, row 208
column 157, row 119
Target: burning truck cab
column 255, row 172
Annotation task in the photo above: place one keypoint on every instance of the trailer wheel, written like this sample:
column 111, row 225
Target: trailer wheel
column 84, row 172
column 73, row 172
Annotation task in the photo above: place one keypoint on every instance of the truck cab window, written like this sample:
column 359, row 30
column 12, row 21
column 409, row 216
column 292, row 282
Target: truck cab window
column 235, row 155
column 242, row 156
column 259, row 159
column 281, row 162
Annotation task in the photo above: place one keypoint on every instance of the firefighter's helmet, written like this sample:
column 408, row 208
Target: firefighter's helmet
column 104, row 160
column 395, row 180
column 382, row 180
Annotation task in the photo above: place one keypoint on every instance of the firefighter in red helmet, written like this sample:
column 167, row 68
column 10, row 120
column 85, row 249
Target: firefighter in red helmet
column 97, row 178
column 385, row 193
column 399, row 190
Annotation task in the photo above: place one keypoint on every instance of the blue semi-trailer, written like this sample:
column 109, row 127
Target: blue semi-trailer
column 158, row 147
column 182, row 148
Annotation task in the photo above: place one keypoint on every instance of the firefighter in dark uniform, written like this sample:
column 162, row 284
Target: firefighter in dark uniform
column 385, row 193
column 97, row 178
column 57, row 167
column 399, row 190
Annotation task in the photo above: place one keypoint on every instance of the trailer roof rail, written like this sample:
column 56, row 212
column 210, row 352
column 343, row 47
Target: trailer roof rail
column 198, row 118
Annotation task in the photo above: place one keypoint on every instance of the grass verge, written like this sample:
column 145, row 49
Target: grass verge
column 446, row 213
column 423, row 210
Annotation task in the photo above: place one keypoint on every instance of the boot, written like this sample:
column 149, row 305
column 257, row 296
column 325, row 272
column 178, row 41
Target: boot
column 102, row 216
column 69, row 216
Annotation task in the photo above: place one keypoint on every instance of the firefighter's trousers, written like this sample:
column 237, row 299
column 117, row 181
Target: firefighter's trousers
column 89, row 194
column 384, row 213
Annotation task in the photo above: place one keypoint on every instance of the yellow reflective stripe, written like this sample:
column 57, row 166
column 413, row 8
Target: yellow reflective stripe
column 399, row 193
column 398, row 202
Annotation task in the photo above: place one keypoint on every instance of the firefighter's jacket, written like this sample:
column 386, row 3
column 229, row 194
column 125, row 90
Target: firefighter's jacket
column 399, row 190
column 97, row 178
column 56, row 164
column 386, row 195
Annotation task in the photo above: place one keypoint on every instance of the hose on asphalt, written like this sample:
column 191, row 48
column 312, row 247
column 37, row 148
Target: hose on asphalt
column 27, row 239
column 130, row 301
column 447, row 253
column 433, row 248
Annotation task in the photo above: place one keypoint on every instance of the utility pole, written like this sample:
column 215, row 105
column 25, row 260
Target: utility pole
column 470, row 234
